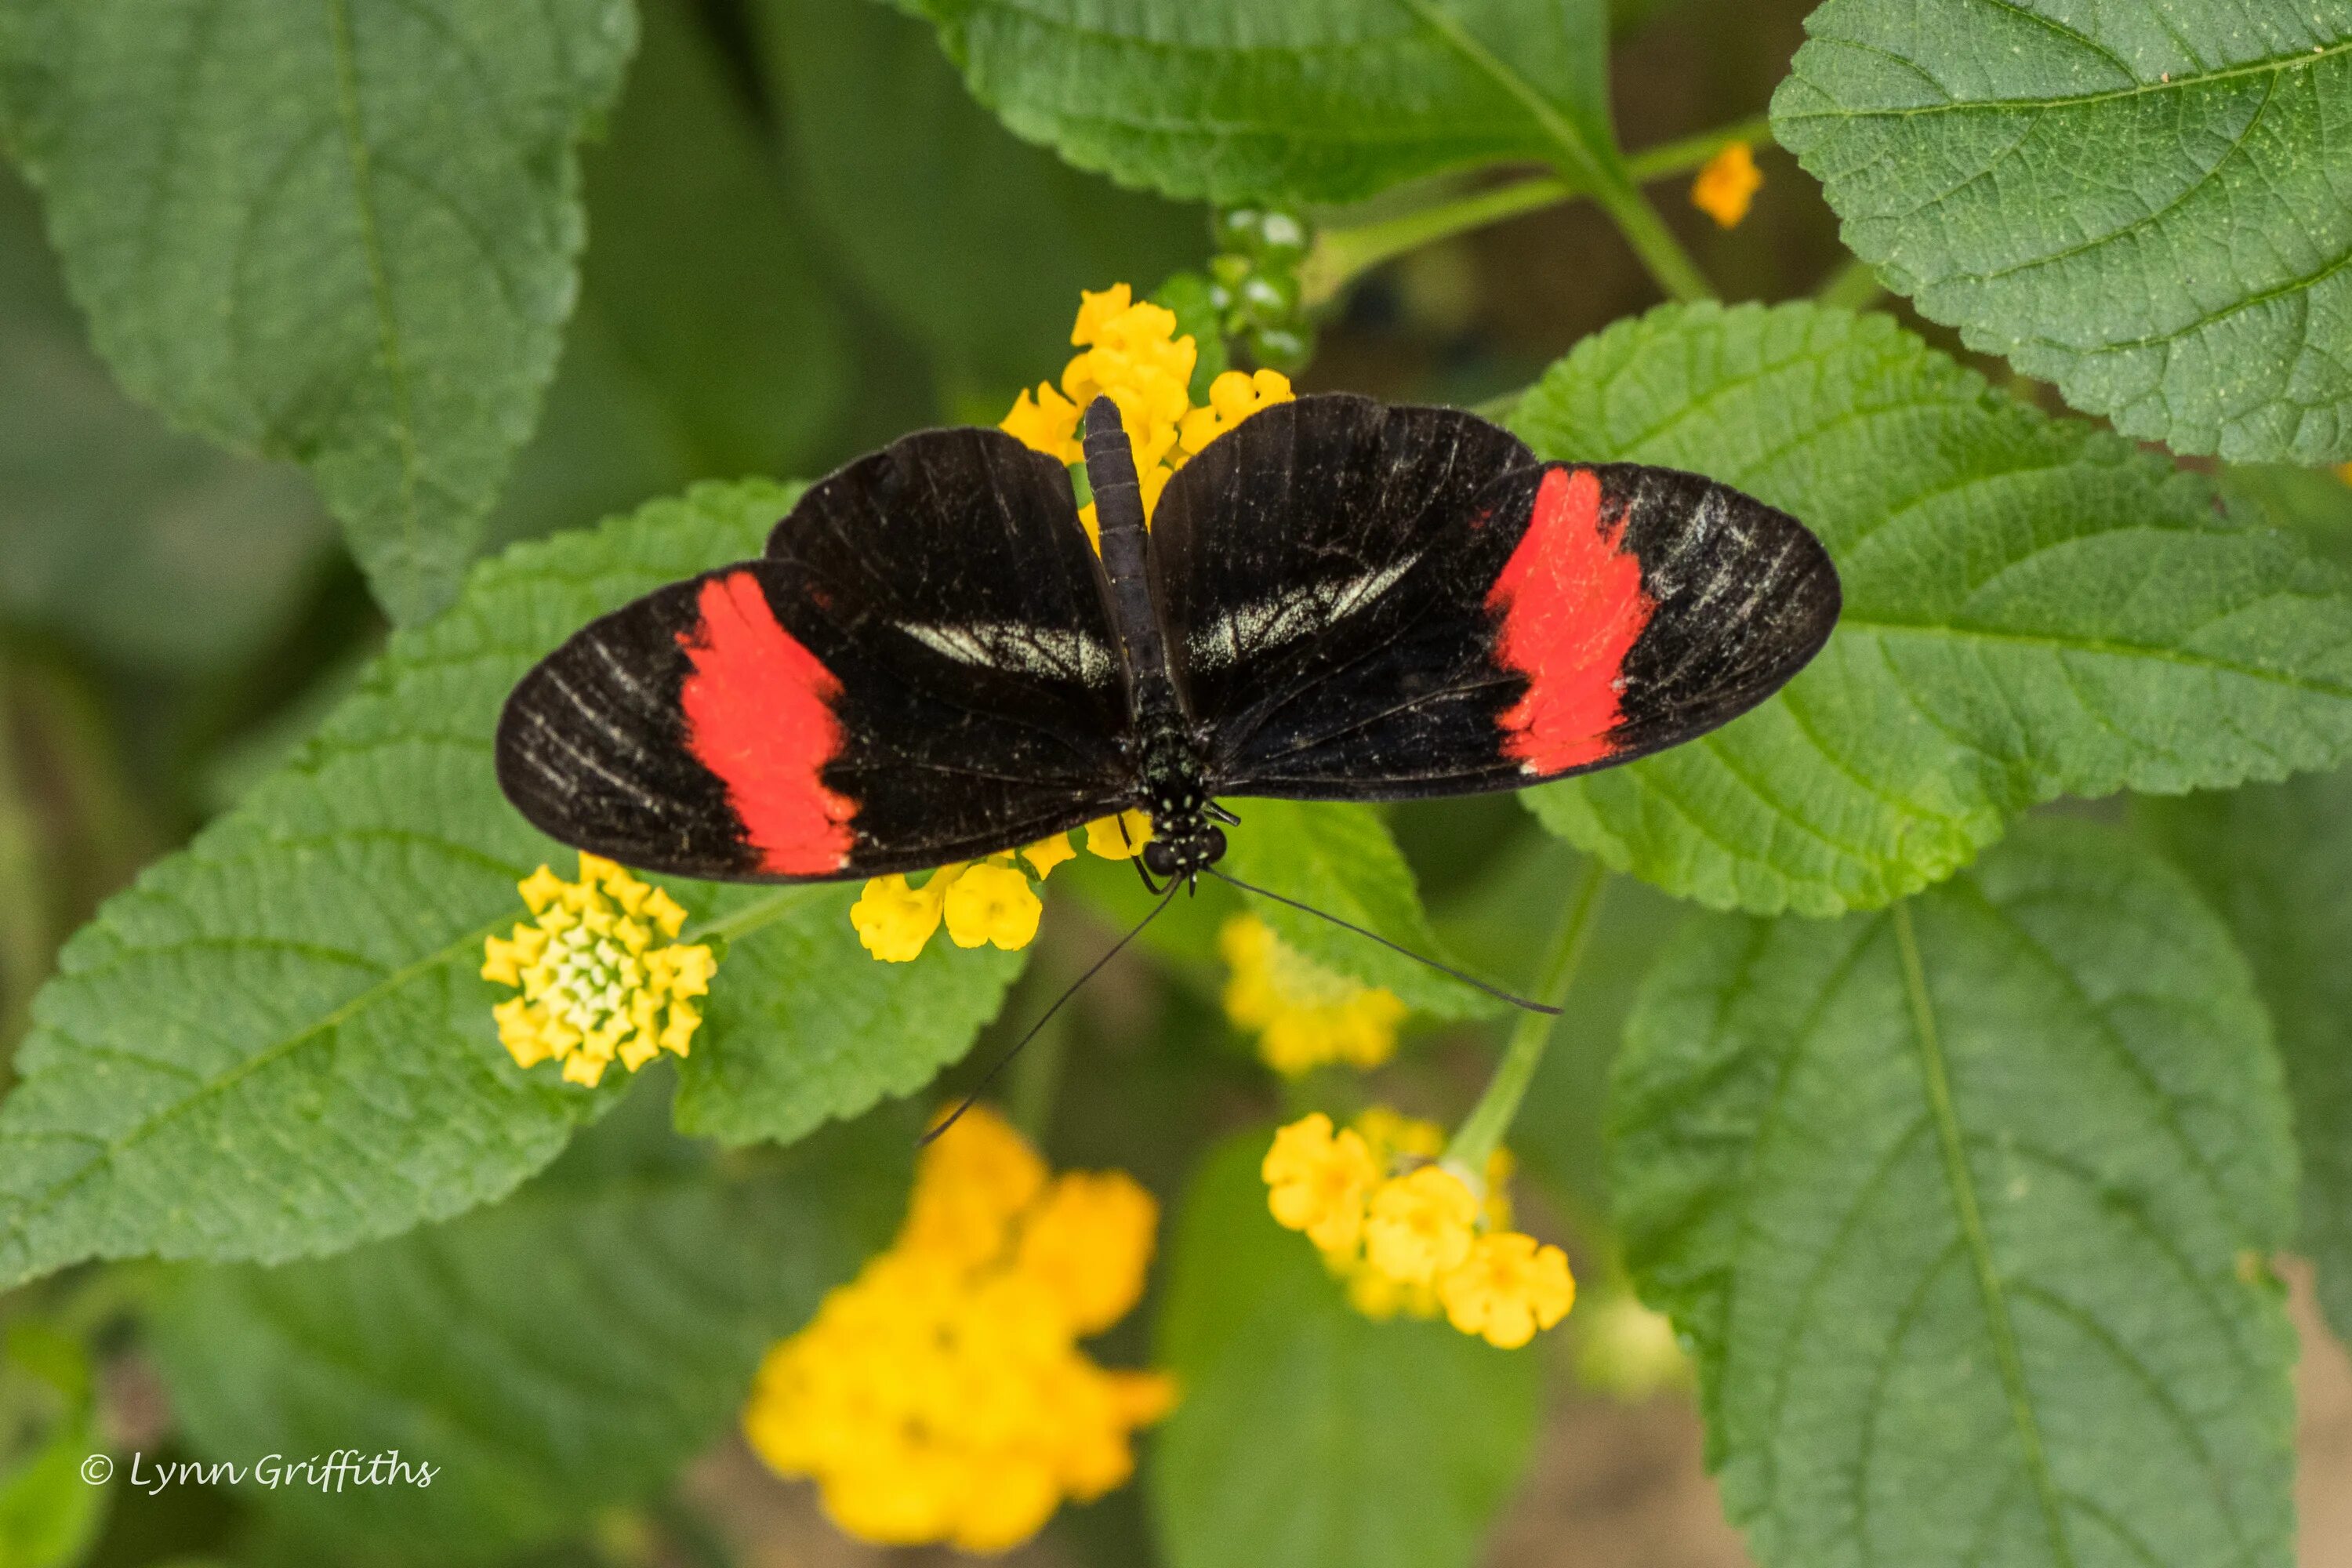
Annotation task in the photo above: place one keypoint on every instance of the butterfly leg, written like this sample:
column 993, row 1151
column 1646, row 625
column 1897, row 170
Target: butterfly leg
column 1222, row 814
column 1155, row 890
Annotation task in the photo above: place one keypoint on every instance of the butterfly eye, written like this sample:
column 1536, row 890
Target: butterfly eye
column 1159, row 859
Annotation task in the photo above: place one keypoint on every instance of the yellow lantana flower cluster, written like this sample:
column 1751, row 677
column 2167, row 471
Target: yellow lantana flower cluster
column 980, row 903
column 601, row 972
column 941, row 1396
column 1303, row 1014
column 1409, row 1234
column 1134, row 357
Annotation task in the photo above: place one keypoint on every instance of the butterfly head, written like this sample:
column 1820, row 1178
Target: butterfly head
column 1186, row 852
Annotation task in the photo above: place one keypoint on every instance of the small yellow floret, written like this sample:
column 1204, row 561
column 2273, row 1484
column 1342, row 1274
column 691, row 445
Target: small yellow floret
column 1049, row 424
column 1418, row 1225
column 940, row 1396
column 1506, row 1288
column 1728, row 184
column 994, row 904
column 893, row 920
column 598, row 982
column 1048, row 853
column 1303, row 1014
column 1233, row 397
column 1316, row 1182
column 1121, row 837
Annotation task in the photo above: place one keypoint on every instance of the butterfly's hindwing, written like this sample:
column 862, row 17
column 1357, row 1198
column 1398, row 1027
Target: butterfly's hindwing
column 920, row 671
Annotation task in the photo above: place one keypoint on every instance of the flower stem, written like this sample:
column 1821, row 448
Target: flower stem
column 23, row 895
column 1483, row 1128
column 1598, row 169
column 1344, row 253
column 1853, row 285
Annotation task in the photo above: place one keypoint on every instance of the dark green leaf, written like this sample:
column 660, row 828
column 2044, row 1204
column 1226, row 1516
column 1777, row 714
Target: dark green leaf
column 707, row 344
column 1964, row 1206
column 1237, row 101
column 340, row 234
column 2144, row 201
column 2033, row 608
column 2277, row 863
column 146, row 546
column 277, row 1044
column 972, row 244
column 1340, row 858
column 1309, row 1436
column 556, row 1355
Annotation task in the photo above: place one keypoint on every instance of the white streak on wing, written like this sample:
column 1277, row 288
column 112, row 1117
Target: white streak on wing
column 1286, row 617
column 1020, row 650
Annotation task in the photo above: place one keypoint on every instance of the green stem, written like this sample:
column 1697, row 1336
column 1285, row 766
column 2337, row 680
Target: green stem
column 1344, row 253
column 1483, row 1128
column 1037, row 1083
column 1853, row 287
column 1669, row 159
column 23, row 891
column 1598, row 169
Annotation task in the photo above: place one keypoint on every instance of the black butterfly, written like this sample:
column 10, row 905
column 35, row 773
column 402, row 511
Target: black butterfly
column 1335, row 600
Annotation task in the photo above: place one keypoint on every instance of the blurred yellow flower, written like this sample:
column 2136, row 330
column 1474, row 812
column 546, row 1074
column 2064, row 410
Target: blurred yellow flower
column 1303, row 1015
column 941, row 1396
column 1316, row 1182
column 601, row 973
column 1728, row 184
column 1407, row 1237
column 1418, row 1225
column 1506, row 1289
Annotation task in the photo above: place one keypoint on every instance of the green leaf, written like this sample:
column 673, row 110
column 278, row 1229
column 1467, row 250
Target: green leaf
column 2314, row 502
column 1308, row 1434
column 559, row 1354
column 49, row 1515
column 2143, row 202
column 144, row 546
column 815, row 1026
column 338, row 234
column 707, row 344
column 277, row 1044
column 1340, row 858
column 972, row 244
column 2032, row 607
column 1232, row 100
column 2276, row 861
column 1964, row 1206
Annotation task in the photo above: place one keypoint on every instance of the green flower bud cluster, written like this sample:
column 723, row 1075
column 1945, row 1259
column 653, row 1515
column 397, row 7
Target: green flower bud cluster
column 1253, row 285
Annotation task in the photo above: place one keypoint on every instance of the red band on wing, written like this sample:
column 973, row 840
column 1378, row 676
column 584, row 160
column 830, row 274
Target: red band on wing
column 759, row 714
column 1572, row 607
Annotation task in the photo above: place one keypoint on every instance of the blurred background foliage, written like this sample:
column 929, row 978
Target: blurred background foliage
column 806, row 238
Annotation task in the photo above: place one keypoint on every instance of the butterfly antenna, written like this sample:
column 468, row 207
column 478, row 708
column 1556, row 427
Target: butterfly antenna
column 1005, row 1061
column 1495, row 990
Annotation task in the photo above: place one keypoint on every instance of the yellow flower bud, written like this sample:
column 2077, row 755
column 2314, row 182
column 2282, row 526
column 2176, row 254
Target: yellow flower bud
column 1728, row 184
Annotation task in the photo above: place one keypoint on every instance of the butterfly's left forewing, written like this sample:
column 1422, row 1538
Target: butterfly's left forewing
column 1376, row 602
